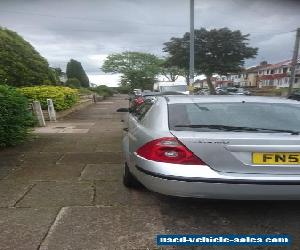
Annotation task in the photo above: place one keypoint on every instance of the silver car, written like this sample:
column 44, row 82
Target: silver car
column 224, row 147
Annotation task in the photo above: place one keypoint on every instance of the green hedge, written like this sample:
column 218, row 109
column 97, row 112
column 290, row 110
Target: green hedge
column 15, row 117
column 62, row 97
column 103, row 90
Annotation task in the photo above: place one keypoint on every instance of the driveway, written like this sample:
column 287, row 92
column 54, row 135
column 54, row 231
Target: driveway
column 63, row 190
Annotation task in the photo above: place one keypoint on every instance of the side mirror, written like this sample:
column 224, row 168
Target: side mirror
column 123, row 110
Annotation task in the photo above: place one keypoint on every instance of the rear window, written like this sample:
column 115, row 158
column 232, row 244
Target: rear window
column 186, row 116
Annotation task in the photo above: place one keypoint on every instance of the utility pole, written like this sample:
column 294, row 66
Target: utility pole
column 192, row 43
column 294, row 61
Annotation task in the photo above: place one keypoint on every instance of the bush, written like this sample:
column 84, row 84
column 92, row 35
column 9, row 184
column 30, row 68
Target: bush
column 62, row 97
column 73, row 83
column 15, row 117
column 123, row 89
column 85, row 91
column 103, row 90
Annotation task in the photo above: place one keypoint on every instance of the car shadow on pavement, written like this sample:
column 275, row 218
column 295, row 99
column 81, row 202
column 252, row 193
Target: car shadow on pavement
column 206, row 216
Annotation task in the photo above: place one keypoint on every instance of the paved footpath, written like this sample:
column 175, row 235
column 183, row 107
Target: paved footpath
column 62, row 190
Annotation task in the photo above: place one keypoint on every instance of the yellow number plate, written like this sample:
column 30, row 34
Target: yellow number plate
column 276, row 158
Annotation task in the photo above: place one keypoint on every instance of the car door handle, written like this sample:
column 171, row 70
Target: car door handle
column 125, row 129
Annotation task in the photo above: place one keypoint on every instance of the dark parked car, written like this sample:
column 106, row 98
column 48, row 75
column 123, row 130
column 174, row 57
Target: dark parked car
column 295, row 96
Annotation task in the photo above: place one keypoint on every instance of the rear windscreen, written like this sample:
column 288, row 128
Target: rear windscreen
column 186, row 116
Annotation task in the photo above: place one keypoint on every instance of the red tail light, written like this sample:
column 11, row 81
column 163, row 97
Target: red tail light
column 168, row 150
column 138, row 101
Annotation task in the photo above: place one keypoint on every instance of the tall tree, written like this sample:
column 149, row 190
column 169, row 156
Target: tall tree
column 20, row 63
column 75, row 70
column 138, row 69
column 171, row 72
column 217, row 51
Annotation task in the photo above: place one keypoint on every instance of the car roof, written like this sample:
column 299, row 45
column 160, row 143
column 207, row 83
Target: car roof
column 227, row 98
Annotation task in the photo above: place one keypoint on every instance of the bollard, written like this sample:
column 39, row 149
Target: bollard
column 51, row 111
column 38, row 113
column 94, row 98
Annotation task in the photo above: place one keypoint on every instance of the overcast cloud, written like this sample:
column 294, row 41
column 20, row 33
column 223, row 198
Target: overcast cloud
column 90, row 30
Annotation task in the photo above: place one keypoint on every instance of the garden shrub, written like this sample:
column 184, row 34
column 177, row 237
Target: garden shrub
column 103, row 90
column 85, row 91
column 62, row 97
column 15, row 116
column 73, row 83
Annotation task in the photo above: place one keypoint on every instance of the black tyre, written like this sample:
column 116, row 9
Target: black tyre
column 129, row 180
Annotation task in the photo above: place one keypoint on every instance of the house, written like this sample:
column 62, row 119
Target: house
column 217, row 81
column 238, row 79
column 247, row 77
column 251, row 77
column 278, row 75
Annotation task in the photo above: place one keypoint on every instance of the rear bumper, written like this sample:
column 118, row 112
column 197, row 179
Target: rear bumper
column 201, row 181
column 220, row 189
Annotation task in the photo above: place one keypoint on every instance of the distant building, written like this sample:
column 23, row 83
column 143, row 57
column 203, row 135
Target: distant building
column 217, row 81
column 237, row 79
column 278, row 75
column 264, row 75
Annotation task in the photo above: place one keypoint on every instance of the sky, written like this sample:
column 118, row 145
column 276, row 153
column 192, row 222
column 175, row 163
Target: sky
column 90, row 30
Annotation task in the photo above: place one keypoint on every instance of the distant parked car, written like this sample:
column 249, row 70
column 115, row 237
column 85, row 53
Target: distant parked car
column 139, row 99
column 203, row 92
column 232, row 91
column 295, row 96
column 221, row 91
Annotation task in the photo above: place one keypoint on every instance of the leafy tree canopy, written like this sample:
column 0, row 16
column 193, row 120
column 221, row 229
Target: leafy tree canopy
column 75, row 70
column 20, row 63
column 138, row 69
column 73, row 83
column 219, row 51
column 171, row 72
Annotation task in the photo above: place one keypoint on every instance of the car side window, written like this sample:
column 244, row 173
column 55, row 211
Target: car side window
column 142, row 110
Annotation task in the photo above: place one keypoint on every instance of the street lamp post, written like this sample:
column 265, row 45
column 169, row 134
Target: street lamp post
column 192, row 44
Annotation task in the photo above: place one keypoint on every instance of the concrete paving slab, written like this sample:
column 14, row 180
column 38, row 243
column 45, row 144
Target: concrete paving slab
column 24, row 228
column 114, row 193
column 11, row 192
column 102, row 139
column 9, row 162
column 91, row 158
column 97, row 228
column 63, row 127
column 46, row 130
column 104, row 172
column 70, row 147
column 36, row 158
column 50, row 172
column 108, row 148
column 58, row 194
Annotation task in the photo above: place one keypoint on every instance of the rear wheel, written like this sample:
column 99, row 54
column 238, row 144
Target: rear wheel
column 129, row 180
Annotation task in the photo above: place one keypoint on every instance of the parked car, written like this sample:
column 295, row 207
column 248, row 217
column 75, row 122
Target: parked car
column 139, row 99
column 171, row 87
column 221, row 91
column 203, row 92
column 295, row 96
column 228, row 147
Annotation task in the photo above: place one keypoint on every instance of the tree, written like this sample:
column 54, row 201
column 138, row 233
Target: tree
column 75, row 70
column 20, row 63
column 178, row 50
column 171, row 72
column 138, row 69
column 217, row 51
column 73, row 83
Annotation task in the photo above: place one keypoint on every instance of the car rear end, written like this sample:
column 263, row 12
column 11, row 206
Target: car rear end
column 254, row 154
